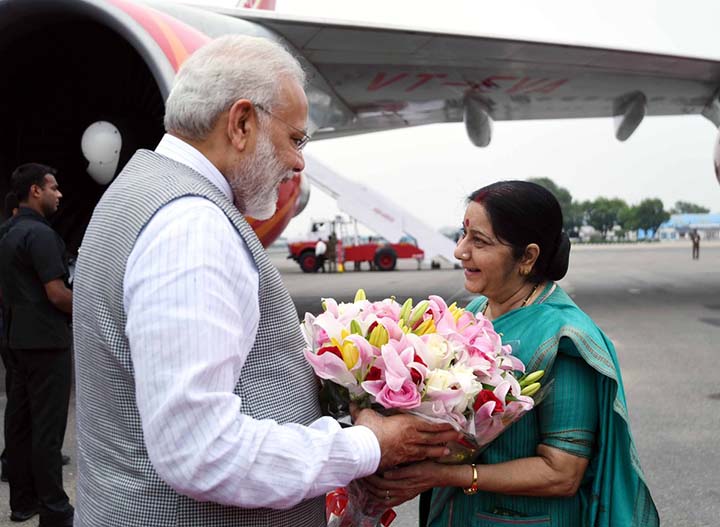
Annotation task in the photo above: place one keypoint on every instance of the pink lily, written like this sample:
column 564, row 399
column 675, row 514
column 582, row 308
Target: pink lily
column 330, row 366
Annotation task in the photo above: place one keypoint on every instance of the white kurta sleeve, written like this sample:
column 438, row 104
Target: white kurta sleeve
column 191, row 299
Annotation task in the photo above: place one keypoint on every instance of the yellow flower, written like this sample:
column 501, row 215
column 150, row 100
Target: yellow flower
column 426, row 327
column 360, row 295
column 348, row 350
column 350, row 353
column 378, row 336
column 456, row 312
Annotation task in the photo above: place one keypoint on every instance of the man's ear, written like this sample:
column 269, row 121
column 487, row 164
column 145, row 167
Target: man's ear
column 241, row 124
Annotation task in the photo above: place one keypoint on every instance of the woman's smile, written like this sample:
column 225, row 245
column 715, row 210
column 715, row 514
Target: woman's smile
column 471, row 272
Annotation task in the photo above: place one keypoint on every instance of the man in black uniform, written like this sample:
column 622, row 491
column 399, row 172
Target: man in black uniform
column 37, row 304
column 11, row 208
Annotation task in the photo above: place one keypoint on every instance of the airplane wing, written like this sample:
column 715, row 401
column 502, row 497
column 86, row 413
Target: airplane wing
column 115, row 61
column 382, row 78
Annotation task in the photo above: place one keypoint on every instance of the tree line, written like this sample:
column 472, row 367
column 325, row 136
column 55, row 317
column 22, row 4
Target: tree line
column 604, row 214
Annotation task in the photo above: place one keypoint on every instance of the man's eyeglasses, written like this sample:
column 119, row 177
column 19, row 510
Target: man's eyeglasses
column 299, row 143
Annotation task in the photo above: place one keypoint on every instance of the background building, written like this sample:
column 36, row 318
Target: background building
column 679, row 225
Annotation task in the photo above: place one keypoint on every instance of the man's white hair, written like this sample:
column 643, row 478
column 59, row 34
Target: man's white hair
column 221, row 72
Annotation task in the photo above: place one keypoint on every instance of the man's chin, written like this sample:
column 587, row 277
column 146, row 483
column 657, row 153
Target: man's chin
column 264, row 214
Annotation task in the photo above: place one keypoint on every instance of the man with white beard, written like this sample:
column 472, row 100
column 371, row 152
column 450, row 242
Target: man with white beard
column 194, row 402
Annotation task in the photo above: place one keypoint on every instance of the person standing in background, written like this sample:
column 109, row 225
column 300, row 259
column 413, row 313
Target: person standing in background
column 320, row 250
column 36, row 307
column 331, row 254
column 695, row 238
column 10, row 210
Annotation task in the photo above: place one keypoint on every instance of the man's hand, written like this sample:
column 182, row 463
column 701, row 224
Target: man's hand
column 405, row 438
column 406, row 483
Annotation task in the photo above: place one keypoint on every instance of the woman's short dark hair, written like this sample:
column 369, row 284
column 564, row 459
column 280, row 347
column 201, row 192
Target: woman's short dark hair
column 522, row 213
column 27, row 175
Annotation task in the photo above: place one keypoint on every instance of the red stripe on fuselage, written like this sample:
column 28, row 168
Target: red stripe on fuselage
column 176, row 39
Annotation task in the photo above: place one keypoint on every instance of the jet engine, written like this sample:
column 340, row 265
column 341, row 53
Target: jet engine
column 75, row 70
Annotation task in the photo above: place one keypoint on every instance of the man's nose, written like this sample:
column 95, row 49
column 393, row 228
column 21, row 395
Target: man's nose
column 299, row 165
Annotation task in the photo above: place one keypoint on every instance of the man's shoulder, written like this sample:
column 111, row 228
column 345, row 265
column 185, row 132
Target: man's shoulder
column 190, row 209
column 20, row 227
column 5, row 227
column 35, row 228
column 187, row 216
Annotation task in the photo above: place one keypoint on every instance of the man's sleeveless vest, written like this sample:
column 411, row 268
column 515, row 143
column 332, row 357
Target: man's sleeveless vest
column 117, row 484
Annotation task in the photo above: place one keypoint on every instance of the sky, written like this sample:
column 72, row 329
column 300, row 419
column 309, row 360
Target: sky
column 430, row 169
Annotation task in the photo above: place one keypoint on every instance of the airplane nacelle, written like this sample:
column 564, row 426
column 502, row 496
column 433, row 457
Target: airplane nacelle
column 70, row 64
column 629, row 111
column 478, row 122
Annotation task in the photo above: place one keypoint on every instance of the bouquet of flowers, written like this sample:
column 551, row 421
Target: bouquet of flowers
column 440, row 362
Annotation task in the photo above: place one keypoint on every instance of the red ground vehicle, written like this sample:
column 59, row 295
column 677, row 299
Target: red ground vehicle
column 379, row 254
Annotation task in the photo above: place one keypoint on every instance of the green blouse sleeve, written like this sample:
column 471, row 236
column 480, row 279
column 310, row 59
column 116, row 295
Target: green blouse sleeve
column 569, row 415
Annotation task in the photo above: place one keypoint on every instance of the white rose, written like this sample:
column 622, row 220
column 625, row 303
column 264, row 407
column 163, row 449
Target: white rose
column 439, row 381
column 438, row 352
column 442, row 388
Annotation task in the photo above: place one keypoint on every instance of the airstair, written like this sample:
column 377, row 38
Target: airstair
column 378, row 213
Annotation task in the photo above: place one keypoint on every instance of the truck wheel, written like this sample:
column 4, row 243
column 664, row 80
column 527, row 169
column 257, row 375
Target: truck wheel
column 308, row 262
column 385, row 259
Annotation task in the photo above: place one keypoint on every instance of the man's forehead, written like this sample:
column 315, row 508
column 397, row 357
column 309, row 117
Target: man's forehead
column 293, row 99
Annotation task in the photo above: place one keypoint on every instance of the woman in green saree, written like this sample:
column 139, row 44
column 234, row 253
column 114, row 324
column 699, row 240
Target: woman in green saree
column 571, row 461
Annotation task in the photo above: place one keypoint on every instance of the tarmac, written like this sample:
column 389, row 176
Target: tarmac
column 662, row 311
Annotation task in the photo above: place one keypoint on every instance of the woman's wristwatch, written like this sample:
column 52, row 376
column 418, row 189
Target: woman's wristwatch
column 473, row 488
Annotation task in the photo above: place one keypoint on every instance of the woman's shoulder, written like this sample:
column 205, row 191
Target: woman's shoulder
column 555, row 313
column 554, row 299
column 553, row 310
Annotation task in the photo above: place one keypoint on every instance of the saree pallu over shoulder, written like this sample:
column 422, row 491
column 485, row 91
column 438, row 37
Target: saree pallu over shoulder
column 620, row 496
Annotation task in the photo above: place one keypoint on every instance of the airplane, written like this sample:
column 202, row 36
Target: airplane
column 86, row 81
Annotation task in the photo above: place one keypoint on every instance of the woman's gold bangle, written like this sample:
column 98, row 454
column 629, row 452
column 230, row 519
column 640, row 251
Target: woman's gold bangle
column 473, row 488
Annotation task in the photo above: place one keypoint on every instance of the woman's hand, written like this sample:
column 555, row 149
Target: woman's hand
column 402, row 484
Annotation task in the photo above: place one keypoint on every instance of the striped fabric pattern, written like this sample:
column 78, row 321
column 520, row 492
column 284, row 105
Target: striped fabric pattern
column 117, row 484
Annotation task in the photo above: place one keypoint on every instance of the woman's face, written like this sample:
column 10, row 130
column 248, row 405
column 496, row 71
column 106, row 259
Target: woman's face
column 490, row 268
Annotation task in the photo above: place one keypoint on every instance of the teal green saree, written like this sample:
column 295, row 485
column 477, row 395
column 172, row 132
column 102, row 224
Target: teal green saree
column 587, row 416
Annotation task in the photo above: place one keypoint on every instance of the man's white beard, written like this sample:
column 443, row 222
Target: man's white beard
column 255, row 180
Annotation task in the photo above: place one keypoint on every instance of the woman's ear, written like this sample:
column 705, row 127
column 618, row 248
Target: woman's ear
column 532, row 253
